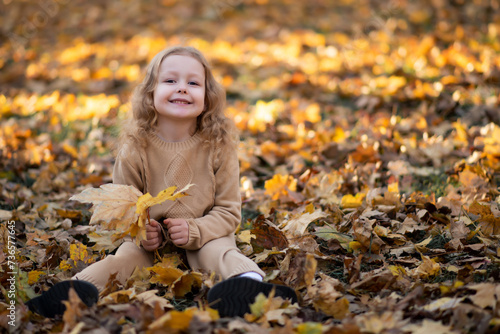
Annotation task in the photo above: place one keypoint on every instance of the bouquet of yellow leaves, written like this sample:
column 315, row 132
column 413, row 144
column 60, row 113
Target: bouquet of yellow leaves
column 123, row 208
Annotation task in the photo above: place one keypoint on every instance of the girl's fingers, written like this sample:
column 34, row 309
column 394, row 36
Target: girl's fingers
column 150, row 228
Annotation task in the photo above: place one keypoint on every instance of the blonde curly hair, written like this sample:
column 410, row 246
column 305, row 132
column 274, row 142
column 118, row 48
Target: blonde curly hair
column 214, row 127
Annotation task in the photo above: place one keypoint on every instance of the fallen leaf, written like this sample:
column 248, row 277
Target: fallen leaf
column 166, row 271
column 297, row 226
column 328, row 300
column 280, row 185
column 487, row 295
column 427, row 268
column 267, row 236
column 429, row 326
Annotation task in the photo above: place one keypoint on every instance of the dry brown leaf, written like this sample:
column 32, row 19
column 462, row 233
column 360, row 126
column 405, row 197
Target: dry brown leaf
column 327, row 299
column 267, row 236
column 489, row 223
column 487, row 295
column 380, row 323
column 430, row 326
column 73, row 312
column 297, row 226
column 186, row 283
column 427, row 268
column 458, row 229
column 152, row 299
column 111, row 202
column 364, row 234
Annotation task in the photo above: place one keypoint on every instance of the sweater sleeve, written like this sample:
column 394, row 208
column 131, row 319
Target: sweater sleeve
column 128, row 168
column 225, row 216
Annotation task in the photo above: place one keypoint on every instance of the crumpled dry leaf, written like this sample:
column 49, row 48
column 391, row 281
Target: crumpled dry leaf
column 427, row 268
column 152, row 299
column 364, row 234
column 186, row 283
column 301, row 270
column 118, row 297
column 327, row 299
column 73, row 312
column 270, row 309
column 267, row 236
column 489, row 222
column 297, row 226
column 166, row 271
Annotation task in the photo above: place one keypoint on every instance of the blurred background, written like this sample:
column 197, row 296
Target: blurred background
column 329, row 84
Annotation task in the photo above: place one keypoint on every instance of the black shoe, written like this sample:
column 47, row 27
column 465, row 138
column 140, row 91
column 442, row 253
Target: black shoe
column 50, row 305
column 233, row 296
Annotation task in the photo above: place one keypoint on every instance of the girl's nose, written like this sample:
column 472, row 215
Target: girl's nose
column 182, row 90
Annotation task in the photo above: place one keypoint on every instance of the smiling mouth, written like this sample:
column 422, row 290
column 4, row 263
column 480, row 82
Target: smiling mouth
column 180, row 102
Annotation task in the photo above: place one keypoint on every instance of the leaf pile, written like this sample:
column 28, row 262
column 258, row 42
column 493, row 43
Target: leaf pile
column 369, row 154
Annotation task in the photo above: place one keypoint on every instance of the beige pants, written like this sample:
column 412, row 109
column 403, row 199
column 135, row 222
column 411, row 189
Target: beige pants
column 219, row 255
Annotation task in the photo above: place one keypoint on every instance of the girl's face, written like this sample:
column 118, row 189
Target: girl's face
column 179, row 95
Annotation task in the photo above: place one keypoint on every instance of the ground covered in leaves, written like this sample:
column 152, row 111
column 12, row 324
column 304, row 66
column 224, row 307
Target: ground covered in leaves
column 370, row 159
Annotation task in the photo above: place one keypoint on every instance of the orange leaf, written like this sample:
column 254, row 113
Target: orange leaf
column 279, row 186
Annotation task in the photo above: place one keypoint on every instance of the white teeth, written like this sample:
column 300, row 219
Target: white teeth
column 180, row 102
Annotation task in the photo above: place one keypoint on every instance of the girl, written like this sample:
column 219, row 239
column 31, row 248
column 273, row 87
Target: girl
column 179, row 135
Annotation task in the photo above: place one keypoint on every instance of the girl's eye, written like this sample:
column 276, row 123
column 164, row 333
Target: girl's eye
column 169, row 81
column 193, row 83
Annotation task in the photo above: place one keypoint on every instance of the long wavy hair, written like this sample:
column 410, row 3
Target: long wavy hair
column 214, row 127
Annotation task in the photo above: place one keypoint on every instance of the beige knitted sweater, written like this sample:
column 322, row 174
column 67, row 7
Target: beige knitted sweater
column 212, row 210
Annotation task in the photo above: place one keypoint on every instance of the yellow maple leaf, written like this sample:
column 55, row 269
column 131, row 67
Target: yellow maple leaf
column 146, row 201
column 186, row 283
column 351, row 202
column 279, row 186
column 124, row 208
column 111, row 203
column 166, row 271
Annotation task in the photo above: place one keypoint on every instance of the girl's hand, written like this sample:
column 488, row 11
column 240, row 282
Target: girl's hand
column 154, row 237
column 178, row 229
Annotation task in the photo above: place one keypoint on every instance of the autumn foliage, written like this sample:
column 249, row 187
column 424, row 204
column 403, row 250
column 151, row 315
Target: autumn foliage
column 369, row 158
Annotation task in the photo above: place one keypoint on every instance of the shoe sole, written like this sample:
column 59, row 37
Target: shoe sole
column 50, row 305
column 233, row 296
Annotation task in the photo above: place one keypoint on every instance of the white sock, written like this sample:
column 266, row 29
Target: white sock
column 252, row 275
